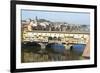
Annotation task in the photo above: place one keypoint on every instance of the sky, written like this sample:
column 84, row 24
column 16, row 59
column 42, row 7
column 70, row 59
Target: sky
column 69, row 17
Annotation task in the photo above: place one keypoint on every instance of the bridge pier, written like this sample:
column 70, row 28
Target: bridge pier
column 43, row 45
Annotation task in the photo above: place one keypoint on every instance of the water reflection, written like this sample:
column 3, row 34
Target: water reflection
column 32, row 52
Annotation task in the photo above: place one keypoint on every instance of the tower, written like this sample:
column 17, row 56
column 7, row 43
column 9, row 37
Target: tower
column 36, row 20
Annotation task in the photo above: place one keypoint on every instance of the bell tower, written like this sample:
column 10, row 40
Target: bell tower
column 36, row 20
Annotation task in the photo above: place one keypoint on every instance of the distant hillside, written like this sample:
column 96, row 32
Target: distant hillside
column 43, row 20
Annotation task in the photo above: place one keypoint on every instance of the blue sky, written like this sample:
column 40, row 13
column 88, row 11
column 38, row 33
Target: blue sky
column 69, row 17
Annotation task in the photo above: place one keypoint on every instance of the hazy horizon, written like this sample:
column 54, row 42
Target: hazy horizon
column 58, row 16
